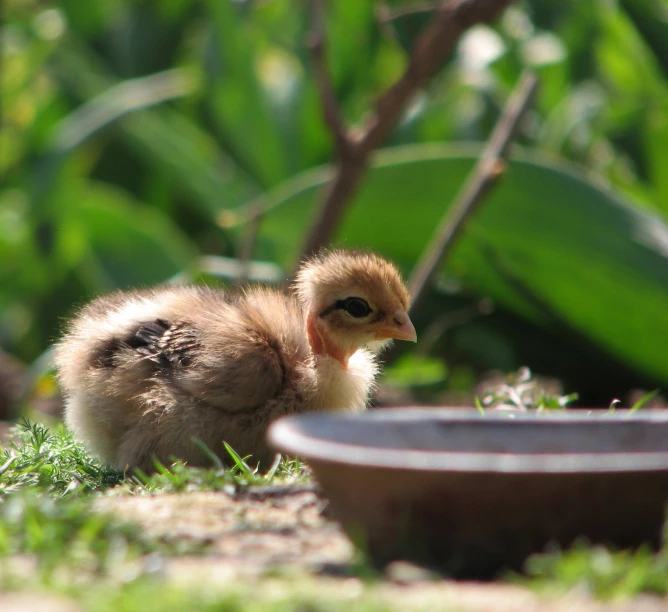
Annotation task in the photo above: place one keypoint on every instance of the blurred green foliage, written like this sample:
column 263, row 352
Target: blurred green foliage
column 139, row 135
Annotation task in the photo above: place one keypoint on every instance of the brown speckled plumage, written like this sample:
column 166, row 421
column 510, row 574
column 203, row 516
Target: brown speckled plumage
column 145, row 372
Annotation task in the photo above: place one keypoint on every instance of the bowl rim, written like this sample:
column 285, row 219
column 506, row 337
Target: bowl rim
column 285, row 435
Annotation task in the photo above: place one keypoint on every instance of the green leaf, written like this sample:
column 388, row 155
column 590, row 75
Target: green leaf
column 416, row 371
column 165, row 138
column 239, row 106
column 655, row 135
column 127, row 244
column 649, row 17
column 547, row 244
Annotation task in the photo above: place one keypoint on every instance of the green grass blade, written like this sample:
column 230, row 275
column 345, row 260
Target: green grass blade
column 648, row 397
column 215, row 459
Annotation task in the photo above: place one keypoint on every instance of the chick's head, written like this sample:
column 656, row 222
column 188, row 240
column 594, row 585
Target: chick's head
column 352, row 300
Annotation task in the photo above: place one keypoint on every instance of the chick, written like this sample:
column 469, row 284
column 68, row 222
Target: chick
column 145, row 372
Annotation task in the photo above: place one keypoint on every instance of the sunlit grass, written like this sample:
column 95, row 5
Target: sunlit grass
column 64, row 546
column 52, row 461
column 520, row 391
column 55, row 538
column 48, row 483
column 57, row 533
column 179, row 477
column 599, row 571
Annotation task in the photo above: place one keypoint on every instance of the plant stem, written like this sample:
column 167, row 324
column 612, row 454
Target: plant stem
column 431, row 49
column 488, row 170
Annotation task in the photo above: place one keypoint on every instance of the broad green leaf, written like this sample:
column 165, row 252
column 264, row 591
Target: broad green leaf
column 415, row 371
column 165, row 138
column 126, row 244
column 655, row 135
column 547, row 242
column 651, row 20
column 239, row 106
column 90, row 17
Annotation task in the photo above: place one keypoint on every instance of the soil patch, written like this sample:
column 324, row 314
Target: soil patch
column 279, row 537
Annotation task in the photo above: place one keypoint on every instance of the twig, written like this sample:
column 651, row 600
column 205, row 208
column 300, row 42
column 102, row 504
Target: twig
column 330, row 107
column 486, row 173
column 431, row 49
column 387, row 14
column 391, row 13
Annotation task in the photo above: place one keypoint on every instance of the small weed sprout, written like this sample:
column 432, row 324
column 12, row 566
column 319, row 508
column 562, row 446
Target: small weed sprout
column 520, row 392
column 644, row 400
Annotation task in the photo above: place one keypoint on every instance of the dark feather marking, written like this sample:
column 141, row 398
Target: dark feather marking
column 103, row 355
column 179, row 343
column 149, row 334
column 165, row 344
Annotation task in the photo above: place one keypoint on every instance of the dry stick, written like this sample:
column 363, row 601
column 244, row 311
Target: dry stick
column 389, row 14
column 330, row 107
column 431, row 49
column 486, row 173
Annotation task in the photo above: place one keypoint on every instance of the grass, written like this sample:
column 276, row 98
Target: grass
column 520, row 391
column 181, row 478
column 53, row 462
column 60, row 546
column 600, row 572
column 56, row 533
column 50, row 461
column 48, row 485
column 53, row 540
column 149, row 593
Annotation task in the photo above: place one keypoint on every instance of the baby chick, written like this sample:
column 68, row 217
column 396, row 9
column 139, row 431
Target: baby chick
column 145, row 372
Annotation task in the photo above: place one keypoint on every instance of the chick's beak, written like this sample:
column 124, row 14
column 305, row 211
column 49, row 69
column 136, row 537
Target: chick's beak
column 399, row 326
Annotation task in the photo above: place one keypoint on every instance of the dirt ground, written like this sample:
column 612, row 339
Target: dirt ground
column 277, row 535
column 278, row 541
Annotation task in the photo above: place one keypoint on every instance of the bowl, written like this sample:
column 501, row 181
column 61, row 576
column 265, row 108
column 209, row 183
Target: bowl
column 470, row 493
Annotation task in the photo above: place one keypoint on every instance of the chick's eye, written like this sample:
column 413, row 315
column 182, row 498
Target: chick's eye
column 356, row 307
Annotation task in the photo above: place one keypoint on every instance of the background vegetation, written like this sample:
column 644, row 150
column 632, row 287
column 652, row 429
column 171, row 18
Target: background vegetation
column 145, row 141
column 139, row 137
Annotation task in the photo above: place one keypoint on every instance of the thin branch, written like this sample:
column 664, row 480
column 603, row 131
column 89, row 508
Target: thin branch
column 486, row 173
column 330, row 106
column 432, row 47
column 391, row 13
column 387, row 14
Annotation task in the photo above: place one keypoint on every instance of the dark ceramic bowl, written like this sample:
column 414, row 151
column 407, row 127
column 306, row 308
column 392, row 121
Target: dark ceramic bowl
column 471, row 494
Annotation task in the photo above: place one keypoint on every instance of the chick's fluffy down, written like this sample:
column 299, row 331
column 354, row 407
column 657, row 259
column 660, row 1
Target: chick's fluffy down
column 146, row 372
